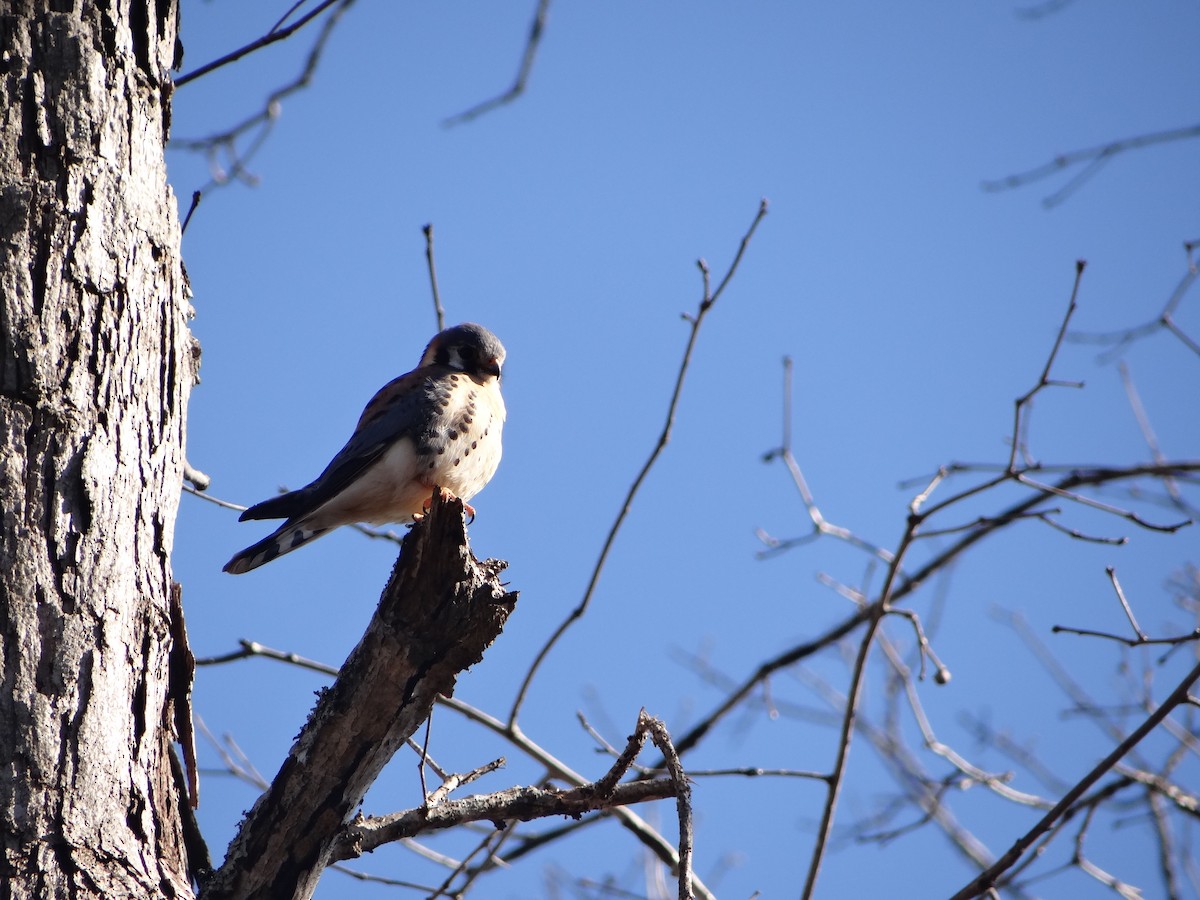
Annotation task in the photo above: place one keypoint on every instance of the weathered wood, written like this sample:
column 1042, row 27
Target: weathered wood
column 440, row 610
column 96, row 363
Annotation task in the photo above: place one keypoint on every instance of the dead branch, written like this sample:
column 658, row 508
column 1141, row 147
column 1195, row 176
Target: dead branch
column 440, row 610
column 526, row 803
column 366, row 834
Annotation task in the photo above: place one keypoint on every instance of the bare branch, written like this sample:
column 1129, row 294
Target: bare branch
column 536, row 30
column 1190, row 637
column 706, row 303
column 1185, row 802
column 996, row 783
column 254, row 648
column 226, row 142
column 1023, row 402
column 683, row 799
column 196, row 197
column 557, row 769
column 366, row 834
column 275, row 35
column 820, row 524
column 941, row 674
column 1022, row 755
column 453, row 782
column 784, row 660
column 1092, row 159
column 1122, row 339
column 988, row 878
column 1112, row 576
column 1090, row 868
column 439, row 312
column 1058, row 491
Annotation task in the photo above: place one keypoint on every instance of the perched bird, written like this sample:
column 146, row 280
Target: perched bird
column 439, row 425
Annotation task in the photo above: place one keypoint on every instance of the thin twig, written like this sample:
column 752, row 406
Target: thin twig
column 1090, row 868
column 196, row 196
column 274, row 35
column 254, row 648
column 1093, row 159
column 706, row 303
column 1120, row 340
column 874, row 616
column 820, row 524
column 433, row 282
column 227, row 140
column 1190, row 637
column 987, row 879
column 1023, row 402
column 1148, row 435
column 536, row 30
column 1075, row 478
column 1112, row 576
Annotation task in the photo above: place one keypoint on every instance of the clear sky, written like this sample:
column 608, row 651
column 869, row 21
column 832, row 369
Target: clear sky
column 916, row 306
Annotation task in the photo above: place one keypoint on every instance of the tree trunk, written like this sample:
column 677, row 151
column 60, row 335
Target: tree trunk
column 96, row 364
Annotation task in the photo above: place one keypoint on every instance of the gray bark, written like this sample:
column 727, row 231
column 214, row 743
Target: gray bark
column 440, row 610
column 96, row 363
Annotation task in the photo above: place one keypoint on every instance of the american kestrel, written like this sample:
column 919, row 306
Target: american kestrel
column 439, row 425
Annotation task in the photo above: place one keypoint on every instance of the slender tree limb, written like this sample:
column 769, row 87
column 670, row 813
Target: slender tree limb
column 820, row 524
column 709, row 298
column 1183, row 801
column 275, row 35
column 875, row 614
column 989, row 878
column 1091, row 158
column 1023, row 403
column 536, row 29
column 438, row 311
column 1165, row 320
column 226, row 142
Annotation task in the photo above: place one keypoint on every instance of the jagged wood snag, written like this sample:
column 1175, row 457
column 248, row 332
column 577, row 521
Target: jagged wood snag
column 440, row 610
column 96, row 364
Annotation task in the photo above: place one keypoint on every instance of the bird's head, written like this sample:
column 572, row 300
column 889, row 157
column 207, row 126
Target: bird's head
column 469, row 348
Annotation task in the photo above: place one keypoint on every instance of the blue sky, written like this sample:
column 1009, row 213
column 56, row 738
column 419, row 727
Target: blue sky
column 916, row 307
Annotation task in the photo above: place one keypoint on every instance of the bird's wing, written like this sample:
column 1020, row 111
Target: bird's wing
column 405, row 407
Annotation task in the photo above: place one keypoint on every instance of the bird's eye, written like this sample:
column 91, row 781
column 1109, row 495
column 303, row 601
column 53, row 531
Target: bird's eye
column 467, row 353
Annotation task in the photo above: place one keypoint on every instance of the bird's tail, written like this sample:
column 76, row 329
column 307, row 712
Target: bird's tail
column 284, row 539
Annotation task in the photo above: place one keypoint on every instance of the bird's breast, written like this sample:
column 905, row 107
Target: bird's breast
column 462, row 450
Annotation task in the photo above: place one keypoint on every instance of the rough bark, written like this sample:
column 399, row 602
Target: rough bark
column 96, row 364
column 440, row 610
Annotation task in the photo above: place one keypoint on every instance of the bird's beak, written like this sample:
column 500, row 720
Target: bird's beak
column 492, row 367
